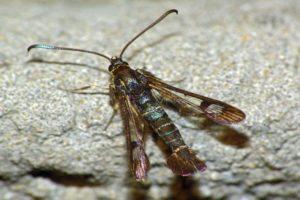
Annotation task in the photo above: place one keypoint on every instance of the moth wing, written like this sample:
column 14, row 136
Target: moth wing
column 196, row 104
column 134, row 127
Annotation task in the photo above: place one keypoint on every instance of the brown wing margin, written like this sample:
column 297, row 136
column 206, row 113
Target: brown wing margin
column 133, row 126
column 213, row 109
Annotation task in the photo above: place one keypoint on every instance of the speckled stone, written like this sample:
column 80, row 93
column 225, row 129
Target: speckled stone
column 53, row 144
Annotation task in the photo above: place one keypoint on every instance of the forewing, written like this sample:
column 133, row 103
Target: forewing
column 141, row 164
column 134, row 127
column 213, row 109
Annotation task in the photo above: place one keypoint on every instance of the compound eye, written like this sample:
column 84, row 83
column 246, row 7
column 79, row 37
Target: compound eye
column 110, row 68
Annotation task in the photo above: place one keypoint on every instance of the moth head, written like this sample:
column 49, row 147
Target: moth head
column 116, row 62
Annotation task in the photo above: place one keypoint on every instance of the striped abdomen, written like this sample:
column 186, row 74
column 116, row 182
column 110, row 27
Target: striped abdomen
column 158, row 119
column 183, row 161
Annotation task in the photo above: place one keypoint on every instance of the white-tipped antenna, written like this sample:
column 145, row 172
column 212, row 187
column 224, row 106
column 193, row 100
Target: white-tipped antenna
column 46, row 46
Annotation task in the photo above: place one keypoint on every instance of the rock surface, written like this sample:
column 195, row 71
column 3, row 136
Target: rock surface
column 53, row 144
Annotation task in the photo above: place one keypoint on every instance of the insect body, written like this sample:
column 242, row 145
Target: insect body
column 134, row 91
column 135, row 86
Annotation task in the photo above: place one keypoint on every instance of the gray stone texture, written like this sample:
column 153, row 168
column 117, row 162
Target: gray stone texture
column 53, row 145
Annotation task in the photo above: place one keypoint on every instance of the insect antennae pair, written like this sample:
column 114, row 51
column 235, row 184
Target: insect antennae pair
column 45, row 46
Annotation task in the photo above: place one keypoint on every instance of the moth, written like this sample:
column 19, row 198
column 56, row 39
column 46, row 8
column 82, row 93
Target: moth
column 136, row 93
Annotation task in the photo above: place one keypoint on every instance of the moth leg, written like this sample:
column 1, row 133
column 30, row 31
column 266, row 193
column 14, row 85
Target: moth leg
column 90, row 93
column 82, row 89
column 113, row 103
column 111, row 119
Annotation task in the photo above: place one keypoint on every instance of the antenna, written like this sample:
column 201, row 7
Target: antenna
column 147, row 28
column 46, row 46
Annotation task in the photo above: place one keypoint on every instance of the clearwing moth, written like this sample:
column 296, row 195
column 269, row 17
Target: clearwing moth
column 133, row 91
